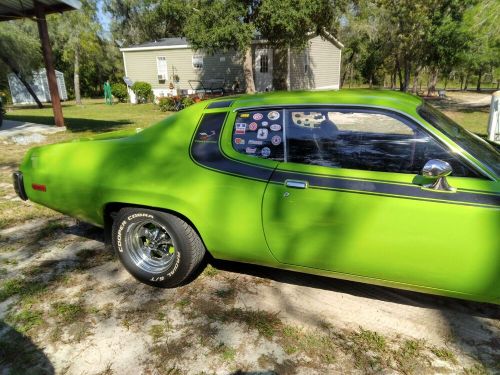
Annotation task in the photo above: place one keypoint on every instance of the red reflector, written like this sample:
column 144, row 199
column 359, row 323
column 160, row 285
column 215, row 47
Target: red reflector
column 39, row 187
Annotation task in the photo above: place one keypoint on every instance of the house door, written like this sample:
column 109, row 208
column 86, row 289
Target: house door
column 263, row 69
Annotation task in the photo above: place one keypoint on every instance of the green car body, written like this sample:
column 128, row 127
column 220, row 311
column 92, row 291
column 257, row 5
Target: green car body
column 370, row 226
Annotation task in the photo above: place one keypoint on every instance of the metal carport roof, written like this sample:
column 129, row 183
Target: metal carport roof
column 26, row 8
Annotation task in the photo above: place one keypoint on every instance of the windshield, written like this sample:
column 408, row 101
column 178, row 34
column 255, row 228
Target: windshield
column 471, row 143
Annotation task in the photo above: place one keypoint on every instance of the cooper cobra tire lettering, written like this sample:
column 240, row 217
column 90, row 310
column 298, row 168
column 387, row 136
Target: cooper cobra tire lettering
column 122, row 226
column 186, row 246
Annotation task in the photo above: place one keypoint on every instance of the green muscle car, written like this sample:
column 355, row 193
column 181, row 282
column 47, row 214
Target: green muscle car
column 364, row 185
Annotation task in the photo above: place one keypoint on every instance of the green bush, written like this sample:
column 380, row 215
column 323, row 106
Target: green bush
column 119, row 91
column 187, row 101
column 143, row 92
column 167, row 104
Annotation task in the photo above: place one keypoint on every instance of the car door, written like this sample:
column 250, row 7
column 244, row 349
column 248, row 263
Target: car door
column 348, row 199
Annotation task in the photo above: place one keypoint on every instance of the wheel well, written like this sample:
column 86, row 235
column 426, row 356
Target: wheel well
column 111, row 209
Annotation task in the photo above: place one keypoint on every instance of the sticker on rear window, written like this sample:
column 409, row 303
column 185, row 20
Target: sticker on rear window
column 273, row 115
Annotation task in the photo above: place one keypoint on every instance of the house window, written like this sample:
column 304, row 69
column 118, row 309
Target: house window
column 197, row 61
column 264, row 63
column 161, row 67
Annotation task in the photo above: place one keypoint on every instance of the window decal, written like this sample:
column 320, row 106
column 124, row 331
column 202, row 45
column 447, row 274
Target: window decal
column 254, row 135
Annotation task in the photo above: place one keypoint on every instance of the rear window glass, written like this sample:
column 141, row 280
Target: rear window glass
column 259, row 134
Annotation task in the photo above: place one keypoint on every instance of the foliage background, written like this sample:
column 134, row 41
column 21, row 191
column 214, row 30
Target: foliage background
column 411, row 45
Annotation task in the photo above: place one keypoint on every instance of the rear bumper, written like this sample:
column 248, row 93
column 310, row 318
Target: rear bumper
column 17, row 179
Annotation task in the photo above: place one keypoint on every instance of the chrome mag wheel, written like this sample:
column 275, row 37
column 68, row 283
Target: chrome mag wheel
column 150, row 246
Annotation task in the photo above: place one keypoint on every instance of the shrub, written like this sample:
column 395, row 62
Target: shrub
column 119, row 91
column 143, row 92
column 167, row 103
column 187, row 101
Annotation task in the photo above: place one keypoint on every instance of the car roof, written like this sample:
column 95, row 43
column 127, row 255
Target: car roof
column 379, row 98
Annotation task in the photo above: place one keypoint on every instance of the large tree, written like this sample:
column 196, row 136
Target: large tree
column 76, row 38
column 232, row 25
column 482, row 23
column 137, row 21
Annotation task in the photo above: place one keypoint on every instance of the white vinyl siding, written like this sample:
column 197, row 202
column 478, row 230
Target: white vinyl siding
column 322, row 60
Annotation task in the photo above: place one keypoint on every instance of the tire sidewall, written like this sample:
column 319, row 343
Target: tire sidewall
column 175, row 274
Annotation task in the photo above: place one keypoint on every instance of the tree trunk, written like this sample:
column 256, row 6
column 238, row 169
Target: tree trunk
column 407, row 76
column 76, row 77
column 466, row 81
column 479, row 76
column 432, row 85
column 280, row 69
column 371, row 81
column 400, row 76
column 248, row 71
column 445, row 82
column 350, row 75
column 23, row 81
column 415, row 81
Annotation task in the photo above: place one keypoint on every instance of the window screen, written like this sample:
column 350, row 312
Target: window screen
column 197, row 61
column 363, row 139
column 161, row 67
column 259, row 134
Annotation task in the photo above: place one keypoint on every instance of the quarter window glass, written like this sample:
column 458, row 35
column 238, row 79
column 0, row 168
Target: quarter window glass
column 363, row 140
column 259, row 134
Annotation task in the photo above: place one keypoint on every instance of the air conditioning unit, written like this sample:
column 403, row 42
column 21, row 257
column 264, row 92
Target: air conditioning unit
column 161, row 77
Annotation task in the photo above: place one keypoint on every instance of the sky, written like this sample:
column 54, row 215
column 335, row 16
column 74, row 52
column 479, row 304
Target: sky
column 103, row 16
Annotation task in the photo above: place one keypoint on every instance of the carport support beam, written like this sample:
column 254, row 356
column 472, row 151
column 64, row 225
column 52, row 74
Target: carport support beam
column 49, row 63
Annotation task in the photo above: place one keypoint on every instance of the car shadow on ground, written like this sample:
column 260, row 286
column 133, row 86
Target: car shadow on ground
column 74, row 124
column 387, row 294
column 19, row 355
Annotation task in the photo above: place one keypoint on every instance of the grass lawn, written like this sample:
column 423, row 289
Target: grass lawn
column 93, row 116
column 475, row 121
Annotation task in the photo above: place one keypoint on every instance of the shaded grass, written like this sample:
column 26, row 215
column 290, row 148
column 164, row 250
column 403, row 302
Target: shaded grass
column 26, row 319
column 93, row 116
column 22, row 287
column 68, row 312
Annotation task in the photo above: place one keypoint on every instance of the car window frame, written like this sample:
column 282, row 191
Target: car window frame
column 482, row 175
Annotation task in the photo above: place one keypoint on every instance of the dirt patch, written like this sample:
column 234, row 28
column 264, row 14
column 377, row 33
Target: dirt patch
column 80, row 312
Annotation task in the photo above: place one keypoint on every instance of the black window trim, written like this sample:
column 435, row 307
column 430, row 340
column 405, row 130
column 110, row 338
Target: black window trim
column 380, row 109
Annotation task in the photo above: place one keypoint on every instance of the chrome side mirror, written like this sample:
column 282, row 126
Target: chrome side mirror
column 437, row 170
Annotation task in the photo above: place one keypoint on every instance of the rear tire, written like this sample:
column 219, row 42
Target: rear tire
column 155, row 247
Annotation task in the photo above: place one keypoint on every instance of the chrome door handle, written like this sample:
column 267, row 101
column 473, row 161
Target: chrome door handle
column 297, row 184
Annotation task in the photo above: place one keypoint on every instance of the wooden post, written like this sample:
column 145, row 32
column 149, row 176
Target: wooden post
column 49, row 63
